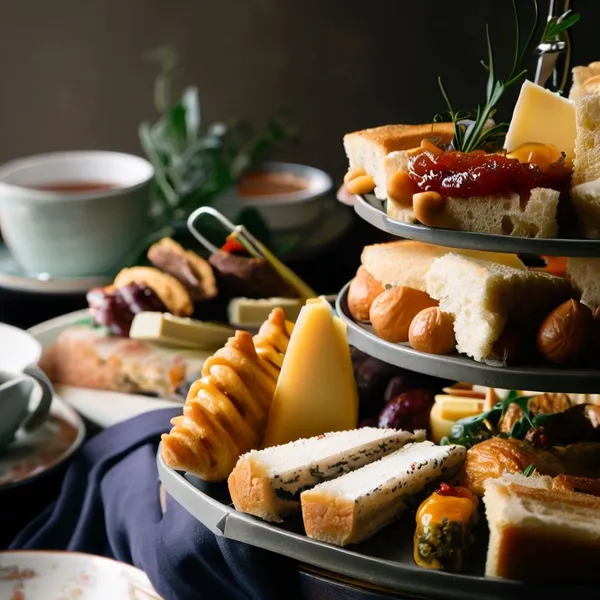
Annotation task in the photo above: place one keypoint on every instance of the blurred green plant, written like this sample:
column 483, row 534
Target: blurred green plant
column 193, row 168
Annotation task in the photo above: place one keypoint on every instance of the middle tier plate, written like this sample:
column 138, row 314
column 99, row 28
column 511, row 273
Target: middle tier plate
column 457, row 367
column 372, row 210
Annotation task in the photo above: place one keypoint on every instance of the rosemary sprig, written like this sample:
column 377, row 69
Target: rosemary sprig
column 476, row 130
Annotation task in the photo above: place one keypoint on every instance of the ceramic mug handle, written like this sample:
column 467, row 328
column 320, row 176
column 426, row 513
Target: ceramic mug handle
column 38, row 416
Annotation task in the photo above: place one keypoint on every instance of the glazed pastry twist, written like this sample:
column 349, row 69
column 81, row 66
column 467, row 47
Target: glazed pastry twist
column 226, row 411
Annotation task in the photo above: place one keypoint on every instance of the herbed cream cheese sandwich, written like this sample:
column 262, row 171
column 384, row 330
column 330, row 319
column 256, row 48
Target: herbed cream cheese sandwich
column 353, row 507
column 267, row 483
column 483, row 297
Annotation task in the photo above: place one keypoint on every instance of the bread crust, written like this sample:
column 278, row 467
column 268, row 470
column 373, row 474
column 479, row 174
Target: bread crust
column 330, row 519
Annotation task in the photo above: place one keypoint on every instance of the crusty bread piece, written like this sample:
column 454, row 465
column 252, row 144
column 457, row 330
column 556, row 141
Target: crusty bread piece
column 505, row 215
column 353, row 507
column 585, row 274
column 483, row 296
column 540, row 531
column 585, row 80
column 267, row 483
column 406, row 262
column 368, row 148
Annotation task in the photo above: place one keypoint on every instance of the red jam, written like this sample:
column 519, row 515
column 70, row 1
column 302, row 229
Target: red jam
column 478, row 173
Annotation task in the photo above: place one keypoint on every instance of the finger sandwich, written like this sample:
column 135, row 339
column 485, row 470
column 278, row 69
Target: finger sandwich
column 353, row 507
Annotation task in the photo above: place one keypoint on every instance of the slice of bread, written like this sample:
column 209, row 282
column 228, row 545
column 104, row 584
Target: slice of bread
column 406, row 262
column 585, row 275
column 483, row 296
column 267, row 483
column 353, row 507
column 541, row 531
column 500, row 215
column 585, row 80
column 368, row 148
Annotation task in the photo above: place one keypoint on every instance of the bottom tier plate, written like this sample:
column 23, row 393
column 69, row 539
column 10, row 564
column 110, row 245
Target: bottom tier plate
column 461, row 368
column 385, row 560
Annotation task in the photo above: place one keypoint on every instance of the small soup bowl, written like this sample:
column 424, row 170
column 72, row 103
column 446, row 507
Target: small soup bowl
column 286, row 195
column 70, row 214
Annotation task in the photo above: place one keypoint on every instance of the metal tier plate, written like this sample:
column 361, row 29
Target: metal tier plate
column 385, row 560
column 461, row 368
column 372, row 210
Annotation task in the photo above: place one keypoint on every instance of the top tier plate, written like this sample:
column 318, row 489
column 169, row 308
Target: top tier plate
column 372, row 210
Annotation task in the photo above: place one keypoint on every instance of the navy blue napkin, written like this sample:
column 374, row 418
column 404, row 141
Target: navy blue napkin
column 109, row 505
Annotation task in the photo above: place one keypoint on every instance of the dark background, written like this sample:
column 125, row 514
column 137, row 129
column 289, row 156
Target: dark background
column 74, row 74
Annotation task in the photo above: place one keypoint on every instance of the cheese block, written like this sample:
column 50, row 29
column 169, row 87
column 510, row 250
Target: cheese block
column 354, row 506
column 316, row 390
column 406, row 262
column 267, row 483
column 449, row 409
column 542, row 116
column 166, row 329
column 251, row 312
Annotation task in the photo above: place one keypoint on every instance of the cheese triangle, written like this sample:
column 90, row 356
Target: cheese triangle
column 316, row 390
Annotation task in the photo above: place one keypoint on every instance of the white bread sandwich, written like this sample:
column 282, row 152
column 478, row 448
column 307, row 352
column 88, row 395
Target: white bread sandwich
column 353, row 507
column 585, row 275
column 267, row 483
column 585, row 80
column 368, row 149
column 585, row 191
column 406, row 262
column 483, row 297
column 542, row 530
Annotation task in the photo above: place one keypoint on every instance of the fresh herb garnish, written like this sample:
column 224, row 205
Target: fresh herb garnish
column 529, row 470
column 474, row 130
column 472, row 430
column 192, row 168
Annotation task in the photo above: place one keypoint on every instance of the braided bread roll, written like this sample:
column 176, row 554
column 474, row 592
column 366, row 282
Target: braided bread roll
column 226, row 411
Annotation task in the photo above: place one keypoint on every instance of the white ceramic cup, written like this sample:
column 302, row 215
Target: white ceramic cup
column 66, row 234
column 19, row 376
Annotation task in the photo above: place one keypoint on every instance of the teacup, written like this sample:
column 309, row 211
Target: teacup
column 70, row 214
column 19, row 376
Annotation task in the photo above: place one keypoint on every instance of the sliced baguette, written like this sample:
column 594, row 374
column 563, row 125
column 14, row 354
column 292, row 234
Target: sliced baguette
column 267, row 483
column 406, row 262
column 353, row 507
column 483, row 296
column 368, row 148
column 585, row 80
column 541, row 531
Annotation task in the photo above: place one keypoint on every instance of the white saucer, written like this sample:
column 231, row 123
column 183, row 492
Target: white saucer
column 13, row 277
column 47, row 575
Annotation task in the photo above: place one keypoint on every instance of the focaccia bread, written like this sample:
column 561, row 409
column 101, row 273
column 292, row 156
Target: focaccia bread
column 368, row 149
column 483, row 296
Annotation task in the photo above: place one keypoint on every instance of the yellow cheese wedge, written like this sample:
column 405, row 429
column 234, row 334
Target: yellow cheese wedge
column 454, row 408
column 316, row 391
column 166, row 329
column 541, row 116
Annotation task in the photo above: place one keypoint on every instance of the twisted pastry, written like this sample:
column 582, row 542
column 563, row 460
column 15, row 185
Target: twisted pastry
column 226, row 411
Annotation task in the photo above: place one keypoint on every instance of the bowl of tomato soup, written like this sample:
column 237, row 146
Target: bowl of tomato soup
column 287, row 195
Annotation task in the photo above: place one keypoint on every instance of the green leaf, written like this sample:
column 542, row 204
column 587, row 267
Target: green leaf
column 529, row 470
column 191, row 107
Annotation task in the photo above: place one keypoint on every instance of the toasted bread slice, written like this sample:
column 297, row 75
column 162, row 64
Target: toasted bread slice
column 406, row 262
column 542, row 530
column 368, row 148
column 483, row 296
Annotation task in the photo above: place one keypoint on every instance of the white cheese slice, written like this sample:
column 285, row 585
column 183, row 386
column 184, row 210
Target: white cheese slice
column 252, row 313
column 166, row 329
column 544, row 117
